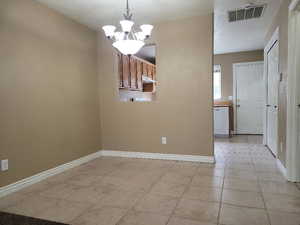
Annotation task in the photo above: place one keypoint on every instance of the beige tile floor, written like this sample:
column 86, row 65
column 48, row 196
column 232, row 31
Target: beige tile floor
column 244, row 187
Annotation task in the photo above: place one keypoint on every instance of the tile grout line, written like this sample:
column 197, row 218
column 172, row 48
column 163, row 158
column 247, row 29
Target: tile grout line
column 221, row 199
column 262, row 196
column 142, row 197
column 180, row 198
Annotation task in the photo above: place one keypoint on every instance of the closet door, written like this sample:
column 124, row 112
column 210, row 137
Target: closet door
column 273, row 77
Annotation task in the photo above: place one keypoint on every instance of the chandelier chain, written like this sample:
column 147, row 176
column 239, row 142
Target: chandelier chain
column 128, row 15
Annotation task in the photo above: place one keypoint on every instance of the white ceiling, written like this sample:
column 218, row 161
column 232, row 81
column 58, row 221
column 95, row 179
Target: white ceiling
column 95, row 13
column 243, row 35
column 229, row 37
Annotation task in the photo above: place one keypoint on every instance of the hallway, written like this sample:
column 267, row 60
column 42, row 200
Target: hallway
column 243, row 188
column 253, row 180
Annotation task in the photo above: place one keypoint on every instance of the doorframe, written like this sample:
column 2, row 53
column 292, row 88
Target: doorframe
column 234, row 85
column 270, row 44
column 292, row 152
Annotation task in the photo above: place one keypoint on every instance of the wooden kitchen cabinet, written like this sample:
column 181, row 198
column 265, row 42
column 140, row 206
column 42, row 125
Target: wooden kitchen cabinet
column 131, row 71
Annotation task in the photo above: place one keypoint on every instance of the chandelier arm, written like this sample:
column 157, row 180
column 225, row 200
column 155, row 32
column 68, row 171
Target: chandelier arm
column 134, row 34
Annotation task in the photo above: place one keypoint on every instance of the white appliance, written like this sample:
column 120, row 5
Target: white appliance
column 221, row 121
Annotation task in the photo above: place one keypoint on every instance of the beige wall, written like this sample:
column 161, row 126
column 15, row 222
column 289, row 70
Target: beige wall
column 183, row 109
column 281, row 21
column 227, row 60
column 48, row 89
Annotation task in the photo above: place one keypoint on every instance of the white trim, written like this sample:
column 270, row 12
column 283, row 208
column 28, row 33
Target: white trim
column 281, row 168
column 145, row 155
column 234, row 85
column 294, row 5
column 293, row 154
column 274, row 38
column 46, row 174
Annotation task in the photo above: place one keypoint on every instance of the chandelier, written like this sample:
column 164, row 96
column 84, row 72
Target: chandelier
column 129, row 41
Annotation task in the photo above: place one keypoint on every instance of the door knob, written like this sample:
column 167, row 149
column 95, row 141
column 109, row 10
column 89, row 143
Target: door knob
column 275, row 106
column 238, row 106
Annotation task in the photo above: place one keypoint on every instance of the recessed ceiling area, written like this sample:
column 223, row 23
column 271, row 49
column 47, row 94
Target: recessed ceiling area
column 95, row 13
column 244, row 35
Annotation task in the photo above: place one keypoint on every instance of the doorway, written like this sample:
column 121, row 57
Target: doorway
column 272, row 79
column 248, row 91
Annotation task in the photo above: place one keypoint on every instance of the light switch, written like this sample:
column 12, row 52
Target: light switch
column 164, row 140
column 4, row 165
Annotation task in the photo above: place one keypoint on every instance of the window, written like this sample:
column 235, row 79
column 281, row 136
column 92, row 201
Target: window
column 217, row 82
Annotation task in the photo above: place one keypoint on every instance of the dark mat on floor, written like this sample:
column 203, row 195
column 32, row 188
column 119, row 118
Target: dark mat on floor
column 12, row 219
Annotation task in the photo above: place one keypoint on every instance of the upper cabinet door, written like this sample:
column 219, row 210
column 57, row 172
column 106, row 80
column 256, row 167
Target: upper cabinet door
column 133, row 77
column 139, row 72
column 154, row 73
column 145, row 69
column 150, row 71
column 120, row 69
column 126, row 71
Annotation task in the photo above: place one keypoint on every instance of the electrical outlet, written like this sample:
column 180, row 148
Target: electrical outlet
column 164, row 140
column 4, row 165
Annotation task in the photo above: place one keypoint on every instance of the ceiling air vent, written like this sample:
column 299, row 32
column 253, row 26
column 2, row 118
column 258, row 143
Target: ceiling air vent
column 249, row 12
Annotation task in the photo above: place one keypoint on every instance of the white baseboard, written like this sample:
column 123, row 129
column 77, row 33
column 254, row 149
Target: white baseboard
column 145, row 155
column 281, row 168
column 51, row 172
column 46, row 174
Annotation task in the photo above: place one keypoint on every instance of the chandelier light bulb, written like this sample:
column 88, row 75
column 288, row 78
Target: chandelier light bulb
column 128, row 47
column 147, row 29
column 126, row 25
column 109, row 30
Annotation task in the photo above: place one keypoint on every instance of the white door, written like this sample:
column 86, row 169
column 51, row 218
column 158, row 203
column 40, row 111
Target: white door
column 298, row 70
column 273, row 77
column 249, row 97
